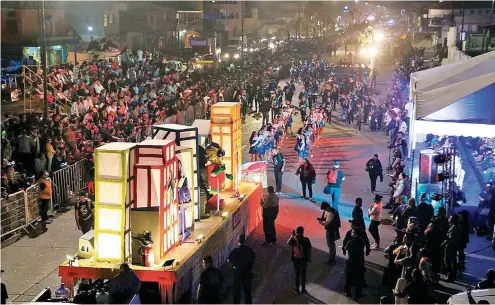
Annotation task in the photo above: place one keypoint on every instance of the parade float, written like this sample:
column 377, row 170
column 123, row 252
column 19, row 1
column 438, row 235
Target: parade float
column 147, row 207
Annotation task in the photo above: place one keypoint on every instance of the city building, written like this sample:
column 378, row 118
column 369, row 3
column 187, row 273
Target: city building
column 21, row 37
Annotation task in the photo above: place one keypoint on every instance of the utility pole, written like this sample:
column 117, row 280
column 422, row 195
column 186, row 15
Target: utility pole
column 243, row 3
column 298, row 21
column 43, row 60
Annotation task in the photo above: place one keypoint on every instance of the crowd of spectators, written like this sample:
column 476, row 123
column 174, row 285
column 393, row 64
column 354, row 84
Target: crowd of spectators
column 112, row 100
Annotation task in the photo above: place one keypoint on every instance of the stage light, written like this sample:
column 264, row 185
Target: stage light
column 442, row 158
column 227, row 55
column 436, row 197
column 236, row 56
column 441, row 177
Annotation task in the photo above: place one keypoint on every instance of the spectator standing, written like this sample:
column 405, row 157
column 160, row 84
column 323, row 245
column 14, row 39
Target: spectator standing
column 124, row 286
column 301, row 256
column 210, row 289
column 278, row 168
column 241, row 260
column 424, row 213
column 375, row 214
column 270, row 213
column 4, row 293
column 354, row 267
column 375, row 170
column 307, row 176
column 45, row 185
column 464, row 240
column 357, row 213
column 330, row 220
column 451, row 246
column 335, row 177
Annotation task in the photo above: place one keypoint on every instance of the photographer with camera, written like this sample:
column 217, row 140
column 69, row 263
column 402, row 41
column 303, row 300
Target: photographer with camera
column 330, row 219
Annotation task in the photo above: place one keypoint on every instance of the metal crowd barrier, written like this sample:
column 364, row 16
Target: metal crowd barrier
column 70, row 179
column 19, row 210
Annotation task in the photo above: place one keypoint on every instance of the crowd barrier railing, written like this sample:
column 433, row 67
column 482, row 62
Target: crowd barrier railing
column 19, row 210
column 73, row 179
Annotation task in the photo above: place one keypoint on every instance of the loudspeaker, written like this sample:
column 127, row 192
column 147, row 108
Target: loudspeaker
column 427, row 167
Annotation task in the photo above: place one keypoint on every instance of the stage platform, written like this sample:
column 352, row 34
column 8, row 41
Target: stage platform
column 218, row 237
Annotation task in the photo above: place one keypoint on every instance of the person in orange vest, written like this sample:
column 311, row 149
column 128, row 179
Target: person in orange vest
column 45, row 185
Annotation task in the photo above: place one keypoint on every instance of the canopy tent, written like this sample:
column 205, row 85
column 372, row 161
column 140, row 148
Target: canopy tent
column 450, row 74
column 461, row 109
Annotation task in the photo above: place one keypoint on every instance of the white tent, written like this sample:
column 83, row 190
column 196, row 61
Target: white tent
column 449, row 74
column 464, row 108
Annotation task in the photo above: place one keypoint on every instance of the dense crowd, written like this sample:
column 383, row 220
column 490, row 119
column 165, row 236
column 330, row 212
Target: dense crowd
column 113, row 101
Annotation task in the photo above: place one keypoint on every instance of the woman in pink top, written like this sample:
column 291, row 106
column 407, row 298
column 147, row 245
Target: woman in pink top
column 375, row 214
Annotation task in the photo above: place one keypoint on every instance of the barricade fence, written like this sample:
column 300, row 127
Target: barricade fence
column 68, row 181
column 19, row 210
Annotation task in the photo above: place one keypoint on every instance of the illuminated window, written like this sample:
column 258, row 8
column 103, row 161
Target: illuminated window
column 110, row 18
column 105, row 20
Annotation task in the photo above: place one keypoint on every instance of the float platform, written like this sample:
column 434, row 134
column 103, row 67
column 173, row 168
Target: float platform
column 219, row 236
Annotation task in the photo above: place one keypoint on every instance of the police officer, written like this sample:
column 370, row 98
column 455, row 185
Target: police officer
column 241, row 260
column 84, row 213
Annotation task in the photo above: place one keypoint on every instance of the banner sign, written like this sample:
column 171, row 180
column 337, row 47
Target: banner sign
column 255, row 172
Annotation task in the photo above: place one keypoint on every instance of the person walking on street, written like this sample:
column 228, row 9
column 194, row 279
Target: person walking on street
column 307, row 175
column 375, row 214
column 375, row 170
column 354, row 265
column 241, row 260
column 265, row 107
column 210, row 288
column 301, row 256
column 84, row 210
column 330, row 220
column 270, row 213
column 335, row 178
column 278, row 168
column 45, row 185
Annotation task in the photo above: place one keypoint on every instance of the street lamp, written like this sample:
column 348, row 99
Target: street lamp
column 90, row 28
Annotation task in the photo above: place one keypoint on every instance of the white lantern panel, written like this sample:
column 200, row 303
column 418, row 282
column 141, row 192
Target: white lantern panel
column 109, row 193
column 189, row 217
column 150, row 161
column 165, row 244
column 215, row 129
column 227, row 146
column 155, row 187
column 109, row 219
column 226, row 129
column 109, row 166
column 109, row 246
column 142, row 187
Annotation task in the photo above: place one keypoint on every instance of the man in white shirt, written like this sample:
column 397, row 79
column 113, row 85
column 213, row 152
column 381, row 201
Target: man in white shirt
column 409, row 110
column 98, row 86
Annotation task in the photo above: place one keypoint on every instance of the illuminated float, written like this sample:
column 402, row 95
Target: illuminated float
column 147, row 200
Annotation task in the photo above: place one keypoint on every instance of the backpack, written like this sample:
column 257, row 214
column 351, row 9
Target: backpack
column 332, row 176
column 298, row 249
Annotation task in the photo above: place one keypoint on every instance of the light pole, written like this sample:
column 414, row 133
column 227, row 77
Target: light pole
column 43, row 60
column 90, row 30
